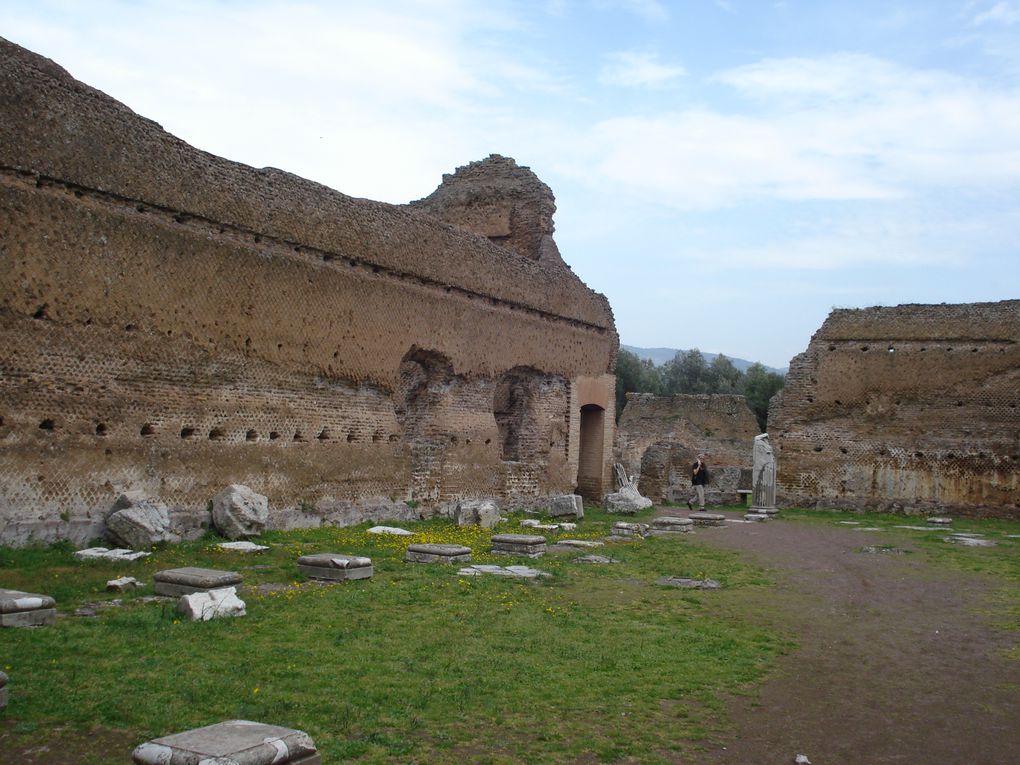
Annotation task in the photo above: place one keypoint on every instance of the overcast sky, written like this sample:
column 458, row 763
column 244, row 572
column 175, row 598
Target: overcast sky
column 725, row 171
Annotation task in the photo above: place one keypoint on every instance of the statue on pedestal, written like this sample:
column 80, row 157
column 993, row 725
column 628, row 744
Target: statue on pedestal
column 763, row 476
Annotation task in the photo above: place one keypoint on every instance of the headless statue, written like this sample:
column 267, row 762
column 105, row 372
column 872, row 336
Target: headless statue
column 763, row 485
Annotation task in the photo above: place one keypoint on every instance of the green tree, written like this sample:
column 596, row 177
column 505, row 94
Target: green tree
column 724, row 377
column 686, row 373
column 634, row 375
column 759, row 386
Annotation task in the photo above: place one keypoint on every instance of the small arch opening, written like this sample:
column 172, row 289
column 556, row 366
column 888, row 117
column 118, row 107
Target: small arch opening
column 147, row 430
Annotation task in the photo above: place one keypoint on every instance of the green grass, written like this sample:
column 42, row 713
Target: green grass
column 413, row 665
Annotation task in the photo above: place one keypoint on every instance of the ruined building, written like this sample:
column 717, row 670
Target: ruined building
column 911, row 409
column 659, row 437
column 172, row 322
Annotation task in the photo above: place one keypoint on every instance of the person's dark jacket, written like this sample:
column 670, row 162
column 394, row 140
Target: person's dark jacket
column 699, row 478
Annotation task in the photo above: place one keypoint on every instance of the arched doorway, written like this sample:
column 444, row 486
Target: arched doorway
column 591, row 458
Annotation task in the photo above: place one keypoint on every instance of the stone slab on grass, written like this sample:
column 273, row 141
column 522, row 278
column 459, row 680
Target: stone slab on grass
column 627, row 529
column 238, row 742
column 595, row 559
column 242, row 547
column 437, row 553
column 124, row 584
column 211, row 604
column 689, row 584
column 757, row 517
column 335, row 567
column 939, row 521
column 26, row 609
column 516, row 572
column 117, row 554
column 395, row 531
column 529, row 545
column 671, row 525
column 566, row 505
column 184, row 581
column 708, row 519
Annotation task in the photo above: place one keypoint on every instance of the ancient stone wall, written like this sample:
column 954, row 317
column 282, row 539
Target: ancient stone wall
column 659, row 437
column 174, row 322
column 908, row 409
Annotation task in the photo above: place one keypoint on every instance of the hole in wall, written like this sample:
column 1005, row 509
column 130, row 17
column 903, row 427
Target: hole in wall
column 40, row 312
column 251, row 435
column 488, row 441
column 187, row 432
column 101, row 429
column 394, row 438
column 891, row 349
column 216, row 434
column 298, row 436
column 377, row 437
column 273, row 435
column 843, row 450
column 129, row 327
column 865, row 347
column 818, row 448
column 108, row 452
column 147, row 430
column 350, row 437
column 323, row 434
column 832, row 347
column 47, row 424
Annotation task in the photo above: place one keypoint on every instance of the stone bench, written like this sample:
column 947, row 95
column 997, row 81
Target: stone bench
column 526, row 545
column 26, row 609
column 668, row 525
column 236, row 741
column 3, row 690
column 335, row 567
column 437, row 553
column 185, row 581
column 708, row 519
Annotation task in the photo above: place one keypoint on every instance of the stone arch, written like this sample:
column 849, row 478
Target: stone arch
column 513, row 407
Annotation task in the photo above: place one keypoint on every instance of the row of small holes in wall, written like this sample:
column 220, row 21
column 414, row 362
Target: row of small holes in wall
column 892, row 349
column 917, row 455
column 217, row 434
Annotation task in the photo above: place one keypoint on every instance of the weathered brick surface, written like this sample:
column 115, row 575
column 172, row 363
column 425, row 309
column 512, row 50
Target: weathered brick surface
column 174, row 322
column 659, row 437
column 907, row 409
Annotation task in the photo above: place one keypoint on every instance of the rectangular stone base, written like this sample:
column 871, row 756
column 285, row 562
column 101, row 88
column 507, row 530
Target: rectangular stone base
column 335, row 574
column 511, row 548
column 494, row 551
column 669, row 532
column 422, row 557
column 40, row 617
column 175, row 590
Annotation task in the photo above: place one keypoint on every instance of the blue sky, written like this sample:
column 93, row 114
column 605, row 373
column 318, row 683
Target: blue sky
column 726, row 171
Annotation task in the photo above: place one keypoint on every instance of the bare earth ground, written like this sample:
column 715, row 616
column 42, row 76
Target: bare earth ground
column 895, row 662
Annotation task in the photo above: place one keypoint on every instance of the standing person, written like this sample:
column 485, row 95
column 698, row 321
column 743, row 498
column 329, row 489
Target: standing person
column 699, row 478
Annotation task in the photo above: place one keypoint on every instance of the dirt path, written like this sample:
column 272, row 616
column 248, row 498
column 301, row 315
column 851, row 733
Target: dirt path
column 894, row 663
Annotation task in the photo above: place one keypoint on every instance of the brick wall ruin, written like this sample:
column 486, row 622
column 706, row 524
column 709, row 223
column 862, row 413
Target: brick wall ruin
column 909, row 409
column 659, row 437
column 173, row 322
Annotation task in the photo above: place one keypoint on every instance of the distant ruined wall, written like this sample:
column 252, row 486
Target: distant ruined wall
column 907, row 409
column 659, row 437
column 173, row 322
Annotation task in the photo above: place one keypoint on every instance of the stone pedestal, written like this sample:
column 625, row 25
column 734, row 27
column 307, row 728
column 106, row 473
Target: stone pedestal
column 757, row 517
column 184, row 581
column 668, row 526
column 335, row 567
column 236, row 741
column 435, row 553
column 26, row 609
column 526, row 545
column 708, row 519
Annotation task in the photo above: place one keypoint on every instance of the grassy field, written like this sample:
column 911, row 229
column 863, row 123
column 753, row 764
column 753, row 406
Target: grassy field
column 416, row 664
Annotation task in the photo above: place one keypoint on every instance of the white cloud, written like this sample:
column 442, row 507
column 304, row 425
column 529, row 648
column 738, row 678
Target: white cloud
column 639, row 69
column 1000, row 13
column 649, row 10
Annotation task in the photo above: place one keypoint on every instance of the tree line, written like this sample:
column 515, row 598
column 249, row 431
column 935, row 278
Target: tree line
column 688, row 372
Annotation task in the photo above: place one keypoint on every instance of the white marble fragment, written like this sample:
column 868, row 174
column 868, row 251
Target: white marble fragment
column 123, row 584
column 102, row 553
column 970, row 541
column 242, row 547
column 585, row 543
column 152, row 754
column 211, row 604
column 390, row 530
column 517, row 572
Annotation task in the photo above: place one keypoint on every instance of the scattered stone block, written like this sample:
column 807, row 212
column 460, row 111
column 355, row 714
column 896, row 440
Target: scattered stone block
column 528, row 545
column 883, row 549
column 939, row 521
column 595, row 559
column 969, row 541
column 391, row 530
column 238, row 512
column 849, row 523
column 437, row 553
column 627, row 500
column 242, row 547
column 26, row 609
column 919, row 528
column 689, row 584
column 124, row 584
column 757, row 517
column 516, row 572
column 477, row 512
column 566, row 504
column 89, row 610
column 235, row 742
column 584, row 544
column 211, row 604
column 625, row 529
column 3, row 691
column 138, row 522
column 184, row 581
column 117, row 554
column 335, row 567
column 669, row 525
column 708, row 519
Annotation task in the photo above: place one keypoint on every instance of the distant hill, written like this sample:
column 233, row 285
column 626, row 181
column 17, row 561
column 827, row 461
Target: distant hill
column 660, row 356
